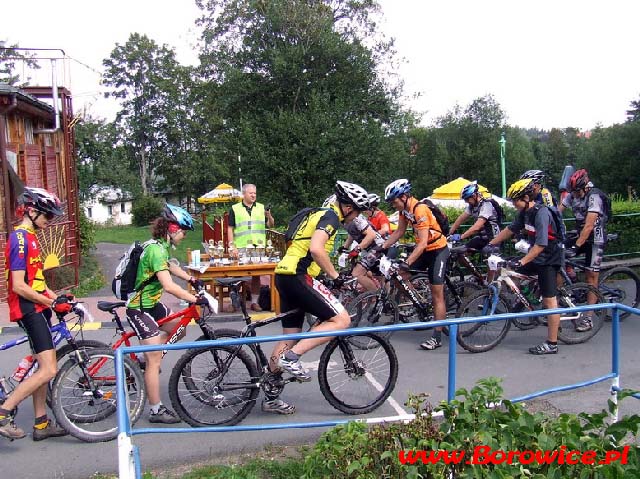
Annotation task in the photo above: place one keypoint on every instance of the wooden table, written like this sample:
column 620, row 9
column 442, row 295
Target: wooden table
column 238, row 270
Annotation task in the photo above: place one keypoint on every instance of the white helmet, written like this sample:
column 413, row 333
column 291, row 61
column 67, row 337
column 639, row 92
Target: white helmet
column 329, row 201
column 352, row 194
column 374, row 200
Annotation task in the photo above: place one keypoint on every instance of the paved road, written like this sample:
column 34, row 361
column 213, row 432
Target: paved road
column 420, row 371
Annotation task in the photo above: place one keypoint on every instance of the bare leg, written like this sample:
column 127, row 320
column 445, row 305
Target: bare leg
column 280, row 347
column 336, row 323
column 365, row 281
column 34, row 385
column 553, row 320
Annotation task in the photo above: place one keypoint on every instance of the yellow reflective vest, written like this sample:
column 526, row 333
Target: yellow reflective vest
column 249, row 227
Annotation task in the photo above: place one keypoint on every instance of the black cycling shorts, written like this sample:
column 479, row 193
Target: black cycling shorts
column 37, row 325
column 434, row 263
column 145, row 322
column 547, row 277
column 309, row 295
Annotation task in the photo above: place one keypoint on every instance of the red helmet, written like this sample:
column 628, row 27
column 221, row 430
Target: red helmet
column 579, row 180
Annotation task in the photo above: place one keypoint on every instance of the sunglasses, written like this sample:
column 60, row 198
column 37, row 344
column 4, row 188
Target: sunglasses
column 48, row 215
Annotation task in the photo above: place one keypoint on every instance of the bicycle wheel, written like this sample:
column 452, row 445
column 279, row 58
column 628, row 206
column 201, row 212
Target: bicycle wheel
column 620, row 285
column 482, row 336
column 84, row 395
column 367, row 310
column 463, row 290
column 357, row 381
column 214, row 386
column 576, row 295
column 523, row 324
column 407, row 312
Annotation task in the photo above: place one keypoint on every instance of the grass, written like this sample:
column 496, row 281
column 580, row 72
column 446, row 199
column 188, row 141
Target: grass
column 91, row 277
column 129, row 234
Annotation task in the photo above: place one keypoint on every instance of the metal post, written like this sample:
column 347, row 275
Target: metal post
column 126, row 466
column 240, row 172
column 615, row 360
column 503, row 143
column 453, row 334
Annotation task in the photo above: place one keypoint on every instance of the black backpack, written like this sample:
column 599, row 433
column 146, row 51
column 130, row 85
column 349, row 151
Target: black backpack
column 499, row 211
column 606, row 202
column 557, row 219
column 440, row 216
column 299, row 220
column 124, row 281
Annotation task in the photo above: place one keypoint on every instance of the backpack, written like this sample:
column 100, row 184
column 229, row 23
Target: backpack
column 606, row 202
column 557, row 219
column 298, row 221
column 124, row 281
column 499, row 211
column 440, row 216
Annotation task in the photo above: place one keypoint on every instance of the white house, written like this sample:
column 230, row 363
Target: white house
column 105, row 204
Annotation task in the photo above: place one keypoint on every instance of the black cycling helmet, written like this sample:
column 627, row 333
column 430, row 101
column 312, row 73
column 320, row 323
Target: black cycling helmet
column 42, row 200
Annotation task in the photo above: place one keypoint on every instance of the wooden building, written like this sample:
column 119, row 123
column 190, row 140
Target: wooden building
column 37, row 149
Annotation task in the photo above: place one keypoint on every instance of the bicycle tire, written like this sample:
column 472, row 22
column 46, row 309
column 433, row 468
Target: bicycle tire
column 71, row 396
column 66, row 350
column 524, row 324
column 366, row 311
column 465, row 289
column 482, row 336
column 627, row 293
column 407, row 312
column 576, row 294
column 194, row 394
column 375, row 369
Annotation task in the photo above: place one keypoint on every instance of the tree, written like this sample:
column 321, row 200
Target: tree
column 633, row 114
column 10, row 55
column 299, row 87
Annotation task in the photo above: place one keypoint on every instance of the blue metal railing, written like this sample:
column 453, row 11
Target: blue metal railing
column 128, row 457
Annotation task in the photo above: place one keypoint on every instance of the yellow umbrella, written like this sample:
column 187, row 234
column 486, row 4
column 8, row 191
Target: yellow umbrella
column 223, row 193
column 451, row 190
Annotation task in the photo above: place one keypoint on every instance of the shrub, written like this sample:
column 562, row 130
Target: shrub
column 145, row 210
column 87, row 233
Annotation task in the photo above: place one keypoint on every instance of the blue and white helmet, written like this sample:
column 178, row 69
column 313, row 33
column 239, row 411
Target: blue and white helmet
column 469, row 190
column 180, row 216
column 396, row 189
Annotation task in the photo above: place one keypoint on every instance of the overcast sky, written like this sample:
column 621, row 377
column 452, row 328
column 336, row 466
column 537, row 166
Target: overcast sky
column 548, row 63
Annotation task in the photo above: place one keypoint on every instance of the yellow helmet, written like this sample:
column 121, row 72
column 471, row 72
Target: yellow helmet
column 521, row 188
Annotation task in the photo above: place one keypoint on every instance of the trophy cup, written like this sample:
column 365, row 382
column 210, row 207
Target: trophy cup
column 233, row 252
column 220, row 251
column 269, row 250
column 250, row 252
column 210, row 247
column 260, row 252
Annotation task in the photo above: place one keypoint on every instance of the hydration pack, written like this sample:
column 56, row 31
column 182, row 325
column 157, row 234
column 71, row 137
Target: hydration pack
column 124, row 281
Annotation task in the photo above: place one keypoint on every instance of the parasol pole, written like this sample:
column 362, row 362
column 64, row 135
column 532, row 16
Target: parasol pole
column 240, row 172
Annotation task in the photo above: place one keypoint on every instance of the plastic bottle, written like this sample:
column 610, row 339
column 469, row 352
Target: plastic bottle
column 23, row 367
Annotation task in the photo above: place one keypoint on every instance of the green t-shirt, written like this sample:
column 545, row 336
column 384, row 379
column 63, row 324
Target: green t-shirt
column 155, row 258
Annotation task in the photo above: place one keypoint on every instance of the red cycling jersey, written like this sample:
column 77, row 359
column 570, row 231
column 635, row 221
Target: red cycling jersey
column 23, row 254
column 378, row 219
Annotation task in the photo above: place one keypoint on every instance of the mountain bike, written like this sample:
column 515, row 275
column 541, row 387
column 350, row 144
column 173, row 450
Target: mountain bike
column 93, row 419
column 484, row 336
column 618, row 285
column 218, row 385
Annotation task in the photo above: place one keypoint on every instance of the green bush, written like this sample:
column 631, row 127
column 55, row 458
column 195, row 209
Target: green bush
column 479, row 418
column 87, row 233
column 145, row 210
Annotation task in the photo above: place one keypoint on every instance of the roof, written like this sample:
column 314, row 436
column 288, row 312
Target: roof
column 109, row 194
column 7, row 90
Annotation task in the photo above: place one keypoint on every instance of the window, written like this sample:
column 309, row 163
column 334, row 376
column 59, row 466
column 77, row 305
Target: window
column 110, row 210
column 28, row 131
column 122, row 208
column 89, row 213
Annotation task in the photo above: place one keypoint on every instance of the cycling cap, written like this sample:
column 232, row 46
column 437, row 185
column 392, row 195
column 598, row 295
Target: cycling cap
column 374, row 200
column 352, row 194
column 42, row 201
column 396, row 189
column 520, row 188
column 469, row 190
column 180, row 216
column 536, row 175
column 579, row 180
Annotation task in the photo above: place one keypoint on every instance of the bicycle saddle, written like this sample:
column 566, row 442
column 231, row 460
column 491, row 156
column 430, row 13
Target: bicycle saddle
column 109, row 306
column 232, row 281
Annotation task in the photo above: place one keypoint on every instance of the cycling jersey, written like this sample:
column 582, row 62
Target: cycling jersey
column 22, row 253
column 155, row 258
column 484, row 209
column 541, row 230
column 357, row 229
column 298, row 259
column 419, row 216
column 379, row 219
column 580, row 208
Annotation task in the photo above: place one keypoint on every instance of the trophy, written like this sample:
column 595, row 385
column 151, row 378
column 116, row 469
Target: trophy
column 233, row 251
column 250, row 252
column 210, row 249
column 220, row 251
column 260, row 251
column 269, row 250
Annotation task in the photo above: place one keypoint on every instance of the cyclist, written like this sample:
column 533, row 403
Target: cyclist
column 377, row 217
column 144, row 308
column 369, row 241
column 590, row 210
column 30, row 301
column 544, row 255
column 431, row 252
column 486, row 225
column 307, row 255
column 541, row 194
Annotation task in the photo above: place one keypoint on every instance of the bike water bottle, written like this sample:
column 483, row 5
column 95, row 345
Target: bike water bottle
column 23, row 367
